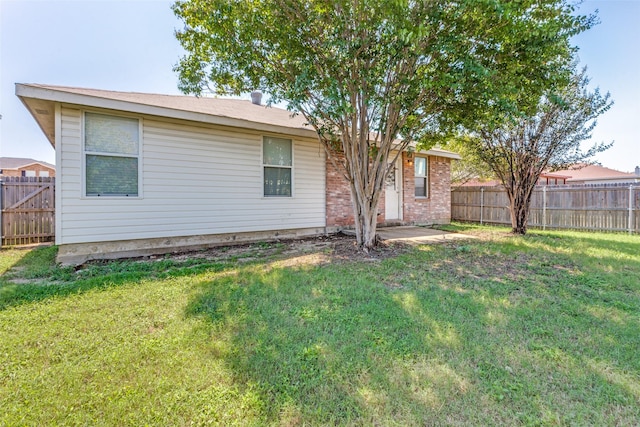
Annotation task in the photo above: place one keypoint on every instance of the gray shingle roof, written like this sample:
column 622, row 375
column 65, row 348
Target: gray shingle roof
column 18, row 162
column 220, row 107
column 39, row 100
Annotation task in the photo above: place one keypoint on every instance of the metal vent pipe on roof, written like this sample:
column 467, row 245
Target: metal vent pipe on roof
column 256, row 97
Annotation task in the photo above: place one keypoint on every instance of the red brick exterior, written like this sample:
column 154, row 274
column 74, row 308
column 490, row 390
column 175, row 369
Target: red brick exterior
column 339, row 210
column 37, row 167
column 435, row 209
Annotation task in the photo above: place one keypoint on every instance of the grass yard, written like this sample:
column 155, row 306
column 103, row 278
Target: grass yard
column 502, row 330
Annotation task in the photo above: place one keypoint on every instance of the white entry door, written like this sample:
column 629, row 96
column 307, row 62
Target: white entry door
column 393, row 193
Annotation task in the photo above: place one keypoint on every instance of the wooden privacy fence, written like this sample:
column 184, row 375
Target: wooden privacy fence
column 602, row 207
column 28, row 210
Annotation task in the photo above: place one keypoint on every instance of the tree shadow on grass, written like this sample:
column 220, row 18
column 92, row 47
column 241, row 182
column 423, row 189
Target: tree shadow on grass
column 36, row 277
column 318, row 343
column 360, row 344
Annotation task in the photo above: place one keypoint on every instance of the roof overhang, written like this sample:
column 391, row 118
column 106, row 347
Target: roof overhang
column 438, row 152
column 41, row 104
column 623, row 179
column 43, row 111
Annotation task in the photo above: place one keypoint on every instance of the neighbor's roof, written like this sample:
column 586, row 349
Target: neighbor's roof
column 594, row 172
column 40, row 100
column 19, row 162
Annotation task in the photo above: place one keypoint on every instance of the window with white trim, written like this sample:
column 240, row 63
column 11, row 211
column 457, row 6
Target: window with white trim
column 112, row 155
column 421, row 173
column 277, row 165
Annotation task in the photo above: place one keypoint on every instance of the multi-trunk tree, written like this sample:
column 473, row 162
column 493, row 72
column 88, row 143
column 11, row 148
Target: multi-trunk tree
column 371, row 76
column 549, row 139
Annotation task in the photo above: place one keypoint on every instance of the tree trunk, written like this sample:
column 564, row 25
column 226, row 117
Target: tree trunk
column 365, row 215
column 519, row 201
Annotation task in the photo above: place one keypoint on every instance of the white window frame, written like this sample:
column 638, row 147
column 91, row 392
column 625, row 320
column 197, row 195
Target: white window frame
column 425, row 177
column 263, row 165
column 84, row 194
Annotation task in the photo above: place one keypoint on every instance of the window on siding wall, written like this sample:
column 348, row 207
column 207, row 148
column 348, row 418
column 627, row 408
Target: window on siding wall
column 112, row 155
column 421, row 173
column 277, row 161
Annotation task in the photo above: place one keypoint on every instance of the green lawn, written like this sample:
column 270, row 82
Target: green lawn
column 502, row 330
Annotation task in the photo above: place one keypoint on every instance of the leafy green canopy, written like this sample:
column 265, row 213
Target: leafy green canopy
column 371, row 76
column 549, row 139
column 415, row 69
column 471, row 167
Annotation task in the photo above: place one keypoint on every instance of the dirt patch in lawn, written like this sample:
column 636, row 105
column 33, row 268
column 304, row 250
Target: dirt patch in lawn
column 311, row 250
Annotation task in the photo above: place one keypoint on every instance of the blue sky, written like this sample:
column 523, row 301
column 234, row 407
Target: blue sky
column 130, row 46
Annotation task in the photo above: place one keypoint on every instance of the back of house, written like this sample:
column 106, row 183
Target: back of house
column 141, row 174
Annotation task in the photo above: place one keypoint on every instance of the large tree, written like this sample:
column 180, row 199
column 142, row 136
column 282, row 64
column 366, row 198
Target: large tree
column 371, row 76
column 522, row 148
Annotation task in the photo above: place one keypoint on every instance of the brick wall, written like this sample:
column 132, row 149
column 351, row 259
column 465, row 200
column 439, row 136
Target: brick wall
column 436, row 208
column 338, row 198
column 34, row 167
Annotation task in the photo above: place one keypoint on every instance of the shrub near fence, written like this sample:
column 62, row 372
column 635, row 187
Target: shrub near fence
column 28, row 210
column 601, row 207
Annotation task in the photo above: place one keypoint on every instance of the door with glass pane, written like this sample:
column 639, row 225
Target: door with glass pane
column 393, row 193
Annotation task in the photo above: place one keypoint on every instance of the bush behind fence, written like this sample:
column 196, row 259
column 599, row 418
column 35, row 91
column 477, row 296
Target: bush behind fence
column 600, row 207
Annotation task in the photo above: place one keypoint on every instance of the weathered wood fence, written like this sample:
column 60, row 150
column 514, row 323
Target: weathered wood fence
column 602, row 207
column 28, row 210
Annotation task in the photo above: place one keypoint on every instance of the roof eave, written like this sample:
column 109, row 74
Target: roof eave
column 606, row 178
column 43, row 99
column 442, row 153
column 435, row 152
column 27, row 92
column 43, row 111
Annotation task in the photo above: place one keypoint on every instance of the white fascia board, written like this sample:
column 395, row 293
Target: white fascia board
column 435, row 152
column 442, row 153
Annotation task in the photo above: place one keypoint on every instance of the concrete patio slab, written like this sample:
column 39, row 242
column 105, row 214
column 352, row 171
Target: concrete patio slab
column 419, row 235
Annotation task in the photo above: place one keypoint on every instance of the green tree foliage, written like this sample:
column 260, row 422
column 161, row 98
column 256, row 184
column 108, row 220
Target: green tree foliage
column 471, row 167
column 521, row 149
column 373, row 75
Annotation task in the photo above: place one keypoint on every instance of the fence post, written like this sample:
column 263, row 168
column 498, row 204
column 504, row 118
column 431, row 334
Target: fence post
column 630, row 209
column 481, row 203
column 544, row 207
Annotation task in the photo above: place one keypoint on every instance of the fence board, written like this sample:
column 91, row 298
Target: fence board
column 28, row 210
column 603, row 207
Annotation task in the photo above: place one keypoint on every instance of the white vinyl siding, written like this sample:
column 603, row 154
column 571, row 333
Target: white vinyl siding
column 196, row 180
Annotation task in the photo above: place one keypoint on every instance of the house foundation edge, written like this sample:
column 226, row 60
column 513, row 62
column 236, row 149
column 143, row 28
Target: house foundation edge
column 73, row 254
column 78, row 253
